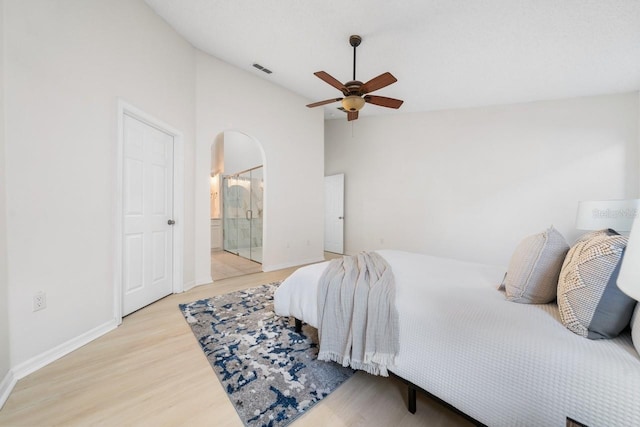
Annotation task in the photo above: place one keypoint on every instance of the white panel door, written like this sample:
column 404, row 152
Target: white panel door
column 148, row 214
column 334, row 213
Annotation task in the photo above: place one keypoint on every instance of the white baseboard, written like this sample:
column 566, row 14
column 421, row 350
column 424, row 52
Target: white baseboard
column 291, row 264
column 6, row 386
column 190, row 284
column 202, row 281
column 40, row 361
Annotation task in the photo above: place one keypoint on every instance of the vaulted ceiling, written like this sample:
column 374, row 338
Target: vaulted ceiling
column 444, row 53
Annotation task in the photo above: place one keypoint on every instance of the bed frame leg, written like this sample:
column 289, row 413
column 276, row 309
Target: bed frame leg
column 298, row 325
column 411, row 399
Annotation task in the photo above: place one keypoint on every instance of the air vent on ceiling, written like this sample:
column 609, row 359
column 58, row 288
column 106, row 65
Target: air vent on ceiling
column 261, row 68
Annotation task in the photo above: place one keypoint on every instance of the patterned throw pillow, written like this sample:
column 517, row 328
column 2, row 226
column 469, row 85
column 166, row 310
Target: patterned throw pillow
column 590, row 303
column 532, row 277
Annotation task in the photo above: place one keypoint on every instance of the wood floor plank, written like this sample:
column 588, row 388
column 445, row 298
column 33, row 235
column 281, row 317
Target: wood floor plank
column 150, row 371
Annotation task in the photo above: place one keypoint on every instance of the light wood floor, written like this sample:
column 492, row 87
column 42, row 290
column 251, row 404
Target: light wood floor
column 225, row 265
column 151, row 372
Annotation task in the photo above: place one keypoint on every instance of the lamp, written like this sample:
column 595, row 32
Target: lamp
column 616, row 214
column 353, row 103
column 629, row 276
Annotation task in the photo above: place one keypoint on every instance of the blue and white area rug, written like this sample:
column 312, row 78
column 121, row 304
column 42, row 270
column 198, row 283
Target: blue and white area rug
column 269, row 371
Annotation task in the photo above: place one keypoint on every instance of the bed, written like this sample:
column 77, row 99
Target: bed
column 500, row 363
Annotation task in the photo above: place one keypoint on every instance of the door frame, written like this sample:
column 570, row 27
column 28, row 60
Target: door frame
column 124, row 108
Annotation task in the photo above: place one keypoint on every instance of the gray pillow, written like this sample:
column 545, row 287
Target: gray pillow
column 590, row 303
column 532, row 277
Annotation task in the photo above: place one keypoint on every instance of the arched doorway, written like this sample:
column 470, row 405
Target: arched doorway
column 237, row 208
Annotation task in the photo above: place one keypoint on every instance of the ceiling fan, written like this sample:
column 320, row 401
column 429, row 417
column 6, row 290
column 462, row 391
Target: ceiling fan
column 355, row 92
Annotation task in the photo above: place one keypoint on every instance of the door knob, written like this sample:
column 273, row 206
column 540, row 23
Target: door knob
column 171, row 222
column 340, row 217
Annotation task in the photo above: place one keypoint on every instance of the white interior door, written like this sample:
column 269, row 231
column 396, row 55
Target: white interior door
column 334, row 213
column 148, row 215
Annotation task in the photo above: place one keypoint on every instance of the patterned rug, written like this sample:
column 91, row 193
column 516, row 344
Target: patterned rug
column 269, row 371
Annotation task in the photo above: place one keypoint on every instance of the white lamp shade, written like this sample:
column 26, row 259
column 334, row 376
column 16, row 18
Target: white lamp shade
column 614, row 214
column 629, row 277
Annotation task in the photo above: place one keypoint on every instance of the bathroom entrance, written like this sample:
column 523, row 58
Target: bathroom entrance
column 237, row 205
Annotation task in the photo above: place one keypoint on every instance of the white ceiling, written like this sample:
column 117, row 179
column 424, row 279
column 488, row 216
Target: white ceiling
column 444, row 53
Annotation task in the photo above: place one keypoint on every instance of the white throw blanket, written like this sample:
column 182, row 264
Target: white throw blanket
column 357, row 316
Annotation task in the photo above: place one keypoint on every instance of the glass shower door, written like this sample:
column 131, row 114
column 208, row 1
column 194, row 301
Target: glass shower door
column 244, row 214
column 231, row 201
column 243, row 201
column 256, row 191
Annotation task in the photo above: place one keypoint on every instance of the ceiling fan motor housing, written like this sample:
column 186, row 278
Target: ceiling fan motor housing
column 353, row 87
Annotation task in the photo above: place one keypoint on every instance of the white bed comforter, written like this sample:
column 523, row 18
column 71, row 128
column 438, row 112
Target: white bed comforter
column 502, row 363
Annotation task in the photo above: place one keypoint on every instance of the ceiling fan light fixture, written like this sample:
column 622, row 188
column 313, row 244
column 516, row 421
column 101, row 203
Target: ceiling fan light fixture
column 353, row 103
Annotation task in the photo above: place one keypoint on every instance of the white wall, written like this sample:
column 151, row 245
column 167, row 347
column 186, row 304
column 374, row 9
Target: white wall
column 471, row 183
column 4, row 288
column 292, row 138
column 67, row 62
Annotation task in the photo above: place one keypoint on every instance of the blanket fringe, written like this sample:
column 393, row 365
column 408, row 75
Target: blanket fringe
column 377, row 358
column 373, row 368
column 329, row 356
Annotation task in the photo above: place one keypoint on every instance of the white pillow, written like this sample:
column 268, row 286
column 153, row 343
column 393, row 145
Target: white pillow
column 532, row 277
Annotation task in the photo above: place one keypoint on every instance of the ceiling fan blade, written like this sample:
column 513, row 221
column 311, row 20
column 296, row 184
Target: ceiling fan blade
column 352, row 115
column 383, row 101
column 326, row 101
column 379, row 82
column 332, row 81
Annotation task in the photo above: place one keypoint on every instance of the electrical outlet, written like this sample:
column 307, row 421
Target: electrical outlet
column 39, row 301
